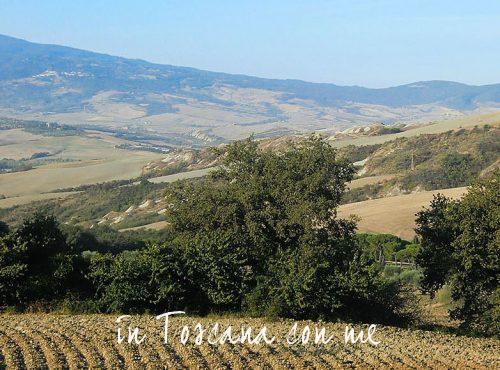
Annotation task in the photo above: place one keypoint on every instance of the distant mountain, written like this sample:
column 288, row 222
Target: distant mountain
column 57, row 83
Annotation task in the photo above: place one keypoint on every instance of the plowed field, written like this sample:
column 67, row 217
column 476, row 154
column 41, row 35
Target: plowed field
column 38, row 341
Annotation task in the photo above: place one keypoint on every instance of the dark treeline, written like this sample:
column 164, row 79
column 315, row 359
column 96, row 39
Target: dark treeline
column 260, row 236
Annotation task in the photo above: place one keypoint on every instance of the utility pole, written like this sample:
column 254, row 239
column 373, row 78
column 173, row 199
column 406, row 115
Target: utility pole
column 412, row 161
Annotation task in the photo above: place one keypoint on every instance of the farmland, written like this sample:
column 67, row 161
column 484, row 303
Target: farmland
column 52, row 177
column 26, row 199
column 39, row 341
column 74, row 160
column 393, row 215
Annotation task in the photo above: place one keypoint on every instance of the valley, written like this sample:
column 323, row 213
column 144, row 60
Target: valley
column 249, row 185
column 73, row 86
column 385, row 195
column 71, row 161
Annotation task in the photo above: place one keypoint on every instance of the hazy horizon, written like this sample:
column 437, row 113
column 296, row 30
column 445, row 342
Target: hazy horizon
column 371, row 44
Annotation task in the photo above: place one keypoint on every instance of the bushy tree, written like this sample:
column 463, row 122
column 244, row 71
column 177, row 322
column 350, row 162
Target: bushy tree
column 409, row 253
column 437, row 232
column 476, row 276
column 35, row 262
column 266, row 221
column 461, row 247
column 121, row 282
column 153, row 278
column 381, row 247
column 219, row 263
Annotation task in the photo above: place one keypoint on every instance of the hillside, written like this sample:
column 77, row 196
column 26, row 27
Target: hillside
column 447, row 159
column 362, row 138
column 56, row 83
column 445, row 154
column 393, row 215
column 426, row 162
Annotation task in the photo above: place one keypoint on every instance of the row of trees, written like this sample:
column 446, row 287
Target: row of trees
column 260, row 235
column 389, row 248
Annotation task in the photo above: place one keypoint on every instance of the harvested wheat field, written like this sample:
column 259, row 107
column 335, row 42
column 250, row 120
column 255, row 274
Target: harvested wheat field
column 39, row 341
column 394, row 215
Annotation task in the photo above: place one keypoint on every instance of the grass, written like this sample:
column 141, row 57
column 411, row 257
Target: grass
column 181, row 175
column 152, row 226
column 369, row 180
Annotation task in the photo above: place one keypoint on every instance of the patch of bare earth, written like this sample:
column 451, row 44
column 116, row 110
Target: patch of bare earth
column 90, row 341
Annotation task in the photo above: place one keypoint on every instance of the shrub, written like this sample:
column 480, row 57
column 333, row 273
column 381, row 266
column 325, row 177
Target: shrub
column 391, row 271
column 460, row 247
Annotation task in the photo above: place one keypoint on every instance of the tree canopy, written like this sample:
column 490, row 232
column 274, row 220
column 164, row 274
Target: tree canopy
column 272, row 215
column 461, row 247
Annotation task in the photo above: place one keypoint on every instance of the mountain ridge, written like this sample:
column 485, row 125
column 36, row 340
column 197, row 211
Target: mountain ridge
column 5, row 39
column 67, row 84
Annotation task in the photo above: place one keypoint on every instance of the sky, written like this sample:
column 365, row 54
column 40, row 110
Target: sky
column 372, row 43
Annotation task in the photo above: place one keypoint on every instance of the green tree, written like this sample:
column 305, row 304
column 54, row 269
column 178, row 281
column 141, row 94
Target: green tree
column 381, row 247
column 35, row 262
column 476, row 276
column 218, row 262
column 153, row 278
column 120, row 282
column 437, row 232
column 461, row 247
column 409, row 253
column 267, row 222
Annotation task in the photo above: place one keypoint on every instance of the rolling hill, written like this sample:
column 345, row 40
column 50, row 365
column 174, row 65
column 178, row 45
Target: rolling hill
column 394, row 215
column 62, row 84
column 444, row 161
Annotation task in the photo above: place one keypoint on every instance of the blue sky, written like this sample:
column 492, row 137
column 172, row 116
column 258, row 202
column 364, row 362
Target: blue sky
column 374, row 43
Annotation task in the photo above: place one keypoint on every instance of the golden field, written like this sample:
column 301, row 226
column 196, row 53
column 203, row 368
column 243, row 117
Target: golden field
column 393, row 215
column 77, row 160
